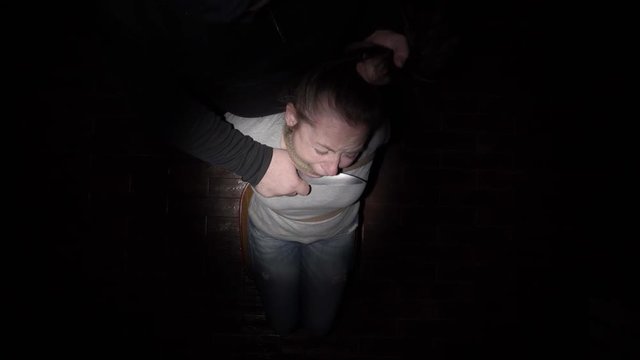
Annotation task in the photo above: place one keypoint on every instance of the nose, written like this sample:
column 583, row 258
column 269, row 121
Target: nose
column 330, row 168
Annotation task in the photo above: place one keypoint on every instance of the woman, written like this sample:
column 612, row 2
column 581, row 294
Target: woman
column 301, row 247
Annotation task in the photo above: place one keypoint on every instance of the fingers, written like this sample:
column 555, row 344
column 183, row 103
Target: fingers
column 373, row 72
column 281, row 178
column 303, row 189
column 400, row 57
column 394, row 41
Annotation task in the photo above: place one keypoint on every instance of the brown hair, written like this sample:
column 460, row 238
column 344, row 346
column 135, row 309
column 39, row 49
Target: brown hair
column 336, row 86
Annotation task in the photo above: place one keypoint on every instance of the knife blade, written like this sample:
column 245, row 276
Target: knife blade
column 340, row 179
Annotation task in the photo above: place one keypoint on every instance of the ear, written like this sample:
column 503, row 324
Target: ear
column 291, row 115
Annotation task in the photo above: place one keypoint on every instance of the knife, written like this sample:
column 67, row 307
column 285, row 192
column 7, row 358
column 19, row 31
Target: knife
column 340, row 179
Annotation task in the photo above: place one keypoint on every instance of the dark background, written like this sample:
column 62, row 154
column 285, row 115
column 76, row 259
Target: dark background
column 500, row 223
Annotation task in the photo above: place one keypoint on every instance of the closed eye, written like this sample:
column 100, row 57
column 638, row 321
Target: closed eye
column 319, row 152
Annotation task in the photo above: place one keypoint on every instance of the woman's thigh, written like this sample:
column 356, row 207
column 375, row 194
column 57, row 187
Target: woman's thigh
column 276, row 268
column 326, row 265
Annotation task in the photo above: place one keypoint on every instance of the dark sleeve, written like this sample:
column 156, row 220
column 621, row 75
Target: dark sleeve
column 204, row 134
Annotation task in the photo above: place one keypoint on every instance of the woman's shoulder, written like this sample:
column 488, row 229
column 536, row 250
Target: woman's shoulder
column 253, row 121
column 264, row 129
column 381, row 136
column 253, row 124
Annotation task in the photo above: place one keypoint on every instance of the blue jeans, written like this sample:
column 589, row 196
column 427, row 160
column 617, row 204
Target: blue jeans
column 301, row 285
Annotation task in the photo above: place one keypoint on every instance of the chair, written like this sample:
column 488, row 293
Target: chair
column 245, row 200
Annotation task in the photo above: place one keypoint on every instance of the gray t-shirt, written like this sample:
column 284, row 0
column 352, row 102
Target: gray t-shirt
column 327, row 211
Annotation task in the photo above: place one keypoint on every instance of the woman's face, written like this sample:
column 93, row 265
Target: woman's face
column 323, row 145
